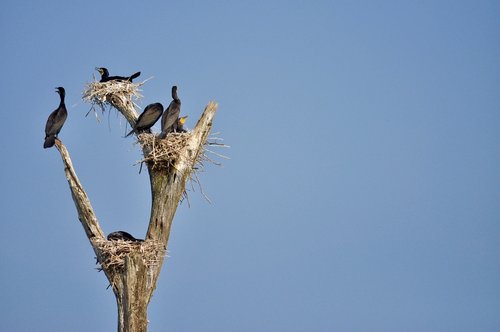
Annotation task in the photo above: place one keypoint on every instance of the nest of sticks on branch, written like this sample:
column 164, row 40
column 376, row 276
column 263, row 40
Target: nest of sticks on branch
column 162, row 153
column 114, row 253
column 118, row 94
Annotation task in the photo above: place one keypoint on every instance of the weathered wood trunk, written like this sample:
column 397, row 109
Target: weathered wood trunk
column 134, row 283
column 131, row 296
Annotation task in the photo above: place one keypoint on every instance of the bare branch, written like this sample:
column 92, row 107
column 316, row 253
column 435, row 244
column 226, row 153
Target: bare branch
column 85, row 211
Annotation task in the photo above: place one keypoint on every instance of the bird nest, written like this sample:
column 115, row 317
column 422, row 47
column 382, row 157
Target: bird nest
column 113, row 253
column 162, row 153
column 119, row 94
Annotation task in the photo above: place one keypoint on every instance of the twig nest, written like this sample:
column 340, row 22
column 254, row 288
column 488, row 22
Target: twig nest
column 119, row 94
column 162, row 153
column 113, row 253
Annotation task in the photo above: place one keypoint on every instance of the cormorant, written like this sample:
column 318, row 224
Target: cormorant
column 169, row 118
column 105, row 76
column 148, row 118
column 122, row 235
column 179, row 126
column 55, row 121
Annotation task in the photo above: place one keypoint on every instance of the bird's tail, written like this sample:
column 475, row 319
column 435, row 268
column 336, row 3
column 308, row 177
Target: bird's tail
column 49, row 141
column 134, row 75
column 130, row 133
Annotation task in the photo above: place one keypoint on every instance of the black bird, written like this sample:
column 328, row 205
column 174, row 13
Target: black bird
column 105, row 76
column 55, row 121
column 179, row 126
column 147, row 119
column 169, row 118
column 122, row 235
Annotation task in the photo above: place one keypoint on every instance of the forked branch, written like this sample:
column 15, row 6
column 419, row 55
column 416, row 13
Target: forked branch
column 134, row 278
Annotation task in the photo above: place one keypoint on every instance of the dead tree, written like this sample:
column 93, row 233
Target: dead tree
column 133, row 268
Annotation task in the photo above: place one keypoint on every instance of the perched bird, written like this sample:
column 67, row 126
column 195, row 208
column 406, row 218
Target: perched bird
column 169, row 118
column 105, row 76
column 179, row 126
column 122, row 235
column 147, row 119
column 55, row 121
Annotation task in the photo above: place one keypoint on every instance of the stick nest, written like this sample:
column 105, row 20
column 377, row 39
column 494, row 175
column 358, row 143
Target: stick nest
column 162, row 153
column 113, row 253
column 119, row 94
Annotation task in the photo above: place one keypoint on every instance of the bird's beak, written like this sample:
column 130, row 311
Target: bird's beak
column 98, row 69
column 57, row 90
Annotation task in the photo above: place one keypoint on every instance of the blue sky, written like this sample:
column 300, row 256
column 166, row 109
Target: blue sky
column 363, row 188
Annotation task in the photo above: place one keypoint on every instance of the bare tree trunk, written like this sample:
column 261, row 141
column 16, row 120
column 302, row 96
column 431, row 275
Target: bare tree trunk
column 134, row 282
column 132, row 299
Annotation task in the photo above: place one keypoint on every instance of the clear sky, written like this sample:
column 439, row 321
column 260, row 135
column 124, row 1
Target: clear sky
column 363, row 190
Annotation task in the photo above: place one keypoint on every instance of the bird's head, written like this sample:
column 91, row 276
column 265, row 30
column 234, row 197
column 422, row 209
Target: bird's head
column 60, row 91
column 103, row 71
column 174, row 92
column 182, row 120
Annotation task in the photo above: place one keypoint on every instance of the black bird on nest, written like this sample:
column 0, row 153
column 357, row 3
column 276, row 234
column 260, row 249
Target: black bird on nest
column 105, row 76
column 147, row 119
column 122, row 235
column 55, row 121
column 171, row 115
